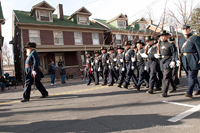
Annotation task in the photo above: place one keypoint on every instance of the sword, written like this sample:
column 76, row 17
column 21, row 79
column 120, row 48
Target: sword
column 34, row 86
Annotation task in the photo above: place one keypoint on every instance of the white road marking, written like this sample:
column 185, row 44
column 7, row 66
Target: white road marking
column 182, row 104
column 184, row 114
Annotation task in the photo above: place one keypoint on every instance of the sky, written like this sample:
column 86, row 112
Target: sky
column 101, row 9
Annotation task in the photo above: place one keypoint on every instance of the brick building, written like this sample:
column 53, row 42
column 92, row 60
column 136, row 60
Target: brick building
column 57, row 37
column 68, row 37
column 2, row 21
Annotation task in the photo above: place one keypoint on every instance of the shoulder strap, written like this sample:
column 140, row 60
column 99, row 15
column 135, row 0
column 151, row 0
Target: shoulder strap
column 186, row 43
column 165, row 48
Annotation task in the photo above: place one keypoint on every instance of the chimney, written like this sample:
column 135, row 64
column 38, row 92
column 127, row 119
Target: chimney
column 126, row 20
column 150, row 22
column 60, row 11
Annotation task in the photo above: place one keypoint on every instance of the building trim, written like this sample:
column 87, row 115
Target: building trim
column 19, row 24
column 65, row 48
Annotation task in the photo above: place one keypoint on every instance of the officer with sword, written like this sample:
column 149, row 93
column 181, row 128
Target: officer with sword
column 33, row 75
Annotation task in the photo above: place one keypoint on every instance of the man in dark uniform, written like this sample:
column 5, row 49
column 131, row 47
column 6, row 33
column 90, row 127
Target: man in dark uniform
column 189, row 46
column 104, row 59
column 151, row 64
column 111, row 65
column 175, row 69
column 140, row 64
column 89, row 68
column 119, row 65
column 159, row 72
column 167, row 61
column 96, row 66
column 134, row 69
column 128, row 62
column 32, row 72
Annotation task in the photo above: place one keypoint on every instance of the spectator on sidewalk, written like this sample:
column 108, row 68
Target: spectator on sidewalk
column 60, row 63
column 52, row 69
column 62, row 74
column 2, row 83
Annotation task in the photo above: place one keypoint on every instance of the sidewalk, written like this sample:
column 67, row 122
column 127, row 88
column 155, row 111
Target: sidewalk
column 46, row 84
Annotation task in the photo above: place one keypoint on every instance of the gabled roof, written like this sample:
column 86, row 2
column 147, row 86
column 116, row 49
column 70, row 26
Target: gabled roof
column 120, row 16
column 115, row 27
column 24, row 18
column 42, row 5
column 137, row 21
column 1, row 14
column 82, row 11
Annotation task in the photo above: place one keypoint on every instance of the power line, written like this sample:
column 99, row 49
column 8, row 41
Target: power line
column 83, row 5
column 143, row 9
column 23, row 8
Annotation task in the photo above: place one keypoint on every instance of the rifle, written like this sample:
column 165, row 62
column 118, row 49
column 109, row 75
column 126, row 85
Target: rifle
column 179, row 54
column 155, row 29
column 158, row 49
column 158, row 45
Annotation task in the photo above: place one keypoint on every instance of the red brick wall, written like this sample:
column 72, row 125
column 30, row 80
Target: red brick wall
column 75, row 71
column 113, row 39
column 25, row 33
column 136, row 38
column 50, row 56
column 46, row 37
column 108, row 37
column 123, row 38
column 87, row 38
column 101, row 38
column 68, row 38
column 71, row 59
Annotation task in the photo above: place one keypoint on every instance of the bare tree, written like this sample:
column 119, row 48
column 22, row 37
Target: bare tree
column 183, row 11
column 7, row 53
column 195, row 21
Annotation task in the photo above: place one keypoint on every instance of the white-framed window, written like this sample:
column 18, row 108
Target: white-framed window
column 78, row 38
column 118, row 39
column 130, row 37
column 44, row 16
column 121, row 24
column 58, row 37
column 83, row 59
column 95, row 38
column 84, row 20
column 34, row 36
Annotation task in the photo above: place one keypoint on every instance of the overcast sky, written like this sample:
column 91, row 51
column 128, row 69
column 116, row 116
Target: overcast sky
column 101, row 9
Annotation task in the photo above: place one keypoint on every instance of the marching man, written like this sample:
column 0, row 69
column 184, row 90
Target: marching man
column 189, row 47
column 32, row 72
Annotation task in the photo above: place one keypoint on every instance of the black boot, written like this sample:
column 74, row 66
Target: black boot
column 24, row 100
column 150, row 91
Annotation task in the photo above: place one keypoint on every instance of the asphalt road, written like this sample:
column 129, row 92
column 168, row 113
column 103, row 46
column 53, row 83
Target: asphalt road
column 97, row 109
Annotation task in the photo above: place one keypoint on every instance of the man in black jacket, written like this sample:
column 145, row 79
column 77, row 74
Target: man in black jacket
column 167, row 61
column 152, row 66
column 189, row 47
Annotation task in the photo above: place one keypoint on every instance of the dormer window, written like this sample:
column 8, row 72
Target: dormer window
column 121, row 24
column 142, row 26
column 44, row 16
column 81, row 16
column 43, row 11
column 84, row 20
